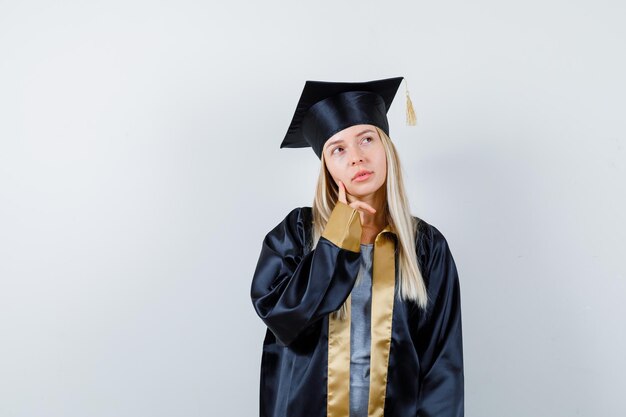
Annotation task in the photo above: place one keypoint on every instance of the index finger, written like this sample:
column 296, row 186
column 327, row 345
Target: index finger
column 342, row 192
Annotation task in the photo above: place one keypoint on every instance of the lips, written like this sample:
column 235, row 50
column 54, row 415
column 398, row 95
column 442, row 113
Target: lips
column 361, row 172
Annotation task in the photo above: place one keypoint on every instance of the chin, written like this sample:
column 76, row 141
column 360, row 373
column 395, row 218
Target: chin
column 361, row 190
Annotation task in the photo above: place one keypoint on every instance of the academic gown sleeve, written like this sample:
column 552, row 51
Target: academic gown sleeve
column 440, row 347
column 291, row 290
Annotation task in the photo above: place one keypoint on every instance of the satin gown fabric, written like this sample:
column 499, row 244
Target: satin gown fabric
column 294, row 290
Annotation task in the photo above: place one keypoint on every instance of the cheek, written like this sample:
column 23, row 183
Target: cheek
column 335, row 172
column 329, row 166
column 381, row 160
column 381, row 165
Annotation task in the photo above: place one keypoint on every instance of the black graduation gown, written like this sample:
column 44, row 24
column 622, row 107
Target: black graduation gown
column 294, row 290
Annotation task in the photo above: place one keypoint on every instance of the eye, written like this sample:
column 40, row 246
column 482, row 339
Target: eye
column 333, row 151
column 368, row 137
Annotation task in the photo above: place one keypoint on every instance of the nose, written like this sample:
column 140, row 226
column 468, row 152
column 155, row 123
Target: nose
column 357, row 158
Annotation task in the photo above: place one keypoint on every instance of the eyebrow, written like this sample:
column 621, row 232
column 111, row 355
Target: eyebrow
column 341, row 140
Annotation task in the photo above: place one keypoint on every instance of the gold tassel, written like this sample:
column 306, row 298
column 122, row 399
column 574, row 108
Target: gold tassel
column 411, row 120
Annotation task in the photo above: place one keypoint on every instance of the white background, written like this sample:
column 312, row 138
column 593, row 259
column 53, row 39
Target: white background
column 140, row 170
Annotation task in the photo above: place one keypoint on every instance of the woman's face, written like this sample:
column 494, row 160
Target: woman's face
column 352, row 150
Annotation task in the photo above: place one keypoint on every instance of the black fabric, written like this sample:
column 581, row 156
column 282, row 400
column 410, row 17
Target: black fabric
column 293, row 291
column 326, row 107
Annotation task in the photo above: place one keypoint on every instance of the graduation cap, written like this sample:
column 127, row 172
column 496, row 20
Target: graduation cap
column 326, row 108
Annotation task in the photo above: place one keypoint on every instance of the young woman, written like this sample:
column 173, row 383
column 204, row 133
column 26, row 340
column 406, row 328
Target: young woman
column 360, row 298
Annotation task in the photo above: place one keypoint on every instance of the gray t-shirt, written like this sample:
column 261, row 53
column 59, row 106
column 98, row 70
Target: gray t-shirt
column 360, row 335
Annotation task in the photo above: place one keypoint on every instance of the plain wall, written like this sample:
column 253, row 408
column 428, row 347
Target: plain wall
column 140, row 170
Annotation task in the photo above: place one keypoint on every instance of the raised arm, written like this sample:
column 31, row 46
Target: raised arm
column 441, row 346
column 291, row 290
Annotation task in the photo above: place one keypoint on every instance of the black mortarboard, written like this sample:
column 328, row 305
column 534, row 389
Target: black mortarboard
column 325, row 108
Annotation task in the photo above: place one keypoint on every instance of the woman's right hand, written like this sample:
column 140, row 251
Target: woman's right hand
column 361, row 206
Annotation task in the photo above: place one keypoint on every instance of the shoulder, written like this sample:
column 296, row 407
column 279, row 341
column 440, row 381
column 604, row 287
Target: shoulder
column 431, row 244
column 293, row 219
column 294, row 226
column 428, row 233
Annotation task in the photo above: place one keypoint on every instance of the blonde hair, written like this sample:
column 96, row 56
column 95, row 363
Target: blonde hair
column 398, row 215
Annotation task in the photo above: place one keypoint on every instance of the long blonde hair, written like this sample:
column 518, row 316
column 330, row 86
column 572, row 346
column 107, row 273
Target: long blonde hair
column 398, row 215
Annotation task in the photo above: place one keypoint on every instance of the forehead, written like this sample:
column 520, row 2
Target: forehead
column 350, row 133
